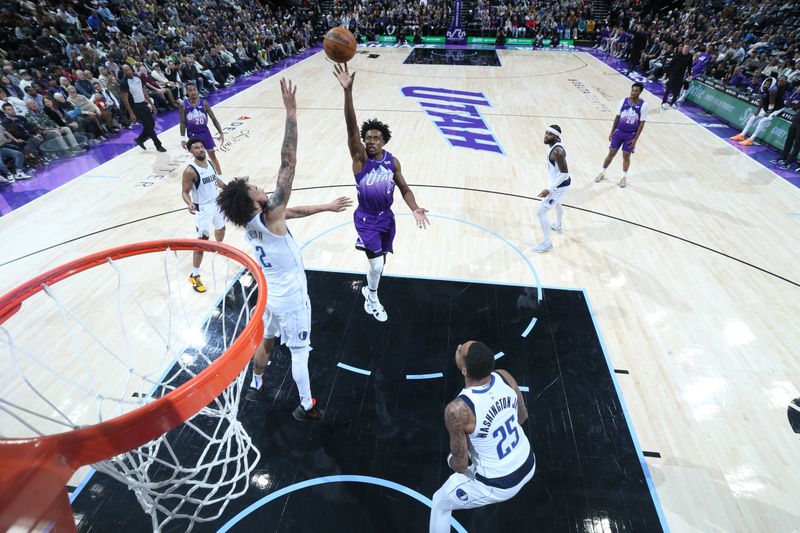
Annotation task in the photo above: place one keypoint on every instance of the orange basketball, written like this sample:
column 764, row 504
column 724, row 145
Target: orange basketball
column 339, row 44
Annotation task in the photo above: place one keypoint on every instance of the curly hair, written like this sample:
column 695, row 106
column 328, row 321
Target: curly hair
column 235, row 202
column 375, row 124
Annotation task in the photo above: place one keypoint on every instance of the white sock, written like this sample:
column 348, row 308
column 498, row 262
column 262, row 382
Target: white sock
column 196, row 271
column 624, row 173
column 300, row 375
column 258, row 381
column 374, row 276
column 603, row 171
column 559, row 214
column 545, row 224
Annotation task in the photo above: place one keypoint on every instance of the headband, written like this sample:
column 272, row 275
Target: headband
column 553, row 131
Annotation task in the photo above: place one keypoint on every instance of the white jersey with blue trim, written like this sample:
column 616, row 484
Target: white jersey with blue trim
column 553, row 173
column 498, row 445
column 280, row 259
column 204, row 186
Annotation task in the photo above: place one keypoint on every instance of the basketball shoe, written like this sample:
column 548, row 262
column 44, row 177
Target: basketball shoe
column 196, row 283
column 308, row 415
column 373, row 307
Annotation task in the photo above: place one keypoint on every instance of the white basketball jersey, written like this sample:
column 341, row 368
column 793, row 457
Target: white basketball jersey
column 204, row 187
column 498, row 443
column 280, row 259
column 554, row 174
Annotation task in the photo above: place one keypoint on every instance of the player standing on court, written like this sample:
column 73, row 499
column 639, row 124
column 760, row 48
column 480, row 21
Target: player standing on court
column 194, row 114
column 199, row 190
column 558, row 183
column 627, row 128
column 489, row 452
column 376, row 172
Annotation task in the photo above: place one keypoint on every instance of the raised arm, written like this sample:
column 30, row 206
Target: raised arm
column 408, row 196
column 522, row 410
column 357, row 150
column 457, row 419
column 336, row 206
column 283, row 189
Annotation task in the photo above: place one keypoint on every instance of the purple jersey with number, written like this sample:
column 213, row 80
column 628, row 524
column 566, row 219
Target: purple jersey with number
column 375, row 184
column 196, row 116
column 630, row 115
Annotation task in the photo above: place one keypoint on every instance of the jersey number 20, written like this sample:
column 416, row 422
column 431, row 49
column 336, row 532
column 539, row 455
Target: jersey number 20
column 504, row 432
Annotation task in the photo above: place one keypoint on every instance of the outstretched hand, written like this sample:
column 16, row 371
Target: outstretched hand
column 287, row 92
column 421, row 218
column 340, row 204
column 341, row 73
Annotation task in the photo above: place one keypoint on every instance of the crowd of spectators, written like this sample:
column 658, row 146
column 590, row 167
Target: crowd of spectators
column 61, row 63
column 740, row 44
column 533, row 19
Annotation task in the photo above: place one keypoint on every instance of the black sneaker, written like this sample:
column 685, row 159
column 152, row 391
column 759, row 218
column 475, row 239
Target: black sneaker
column 311, row 415
column 776, row 161
column 161, row 149
column 141, row 145
column 253, row 394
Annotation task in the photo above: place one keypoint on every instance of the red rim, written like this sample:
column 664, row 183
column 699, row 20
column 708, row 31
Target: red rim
column 59, row 455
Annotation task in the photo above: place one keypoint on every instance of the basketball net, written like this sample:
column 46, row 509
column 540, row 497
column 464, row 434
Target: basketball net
column 80, row 376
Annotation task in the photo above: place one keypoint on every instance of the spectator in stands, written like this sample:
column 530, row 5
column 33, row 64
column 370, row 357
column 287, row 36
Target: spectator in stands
column 24, row 134
column 89, row 111
column 19, row 105
column 737, row 79
column 8, row 148
column 61, row 135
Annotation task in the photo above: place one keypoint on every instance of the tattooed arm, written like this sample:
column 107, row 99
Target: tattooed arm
column 336, row 206
column 276, row 205
column 458, row 419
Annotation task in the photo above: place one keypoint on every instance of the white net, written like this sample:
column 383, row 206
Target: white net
column 109, row 340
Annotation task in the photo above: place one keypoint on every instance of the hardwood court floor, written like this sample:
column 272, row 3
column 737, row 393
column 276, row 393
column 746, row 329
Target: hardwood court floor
column 692, row 269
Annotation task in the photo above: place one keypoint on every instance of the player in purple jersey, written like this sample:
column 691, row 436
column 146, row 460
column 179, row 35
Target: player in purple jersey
column 194, row 115
column 625, row 132
column 376, row 172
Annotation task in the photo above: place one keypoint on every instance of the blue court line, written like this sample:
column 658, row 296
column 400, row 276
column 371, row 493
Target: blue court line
column 425, row 376
column 354, row 369
column 74, row 494
column 523, row 388
column 498, row 355
column 794, row 214
column 636, row 444
column 530, row 327
column 333, row 479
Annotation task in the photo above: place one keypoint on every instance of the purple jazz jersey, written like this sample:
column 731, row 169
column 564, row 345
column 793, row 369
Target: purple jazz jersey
column 630, row 116
column 197, row 122
column 373, row 217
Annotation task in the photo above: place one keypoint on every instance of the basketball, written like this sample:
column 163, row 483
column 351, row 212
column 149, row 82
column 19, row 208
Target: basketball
column 339, row 44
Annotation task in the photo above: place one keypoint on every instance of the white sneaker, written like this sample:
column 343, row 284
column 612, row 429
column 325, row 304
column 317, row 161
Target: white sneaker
column 555, row 227
column 7, row 179
column 664, row 106
column 623, row 182
column 373, row 308
column 543, row 247
column 599, row 177
column 22, row 176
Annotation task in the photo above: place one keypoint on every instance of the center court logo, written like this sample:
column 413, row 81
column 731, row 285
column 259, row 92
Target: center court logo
column 456, row 115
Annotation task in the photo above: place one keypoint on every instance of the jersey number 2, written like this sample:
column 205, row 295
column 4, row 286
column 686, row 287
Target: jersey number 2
column 262, row 257
column 504, row 432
